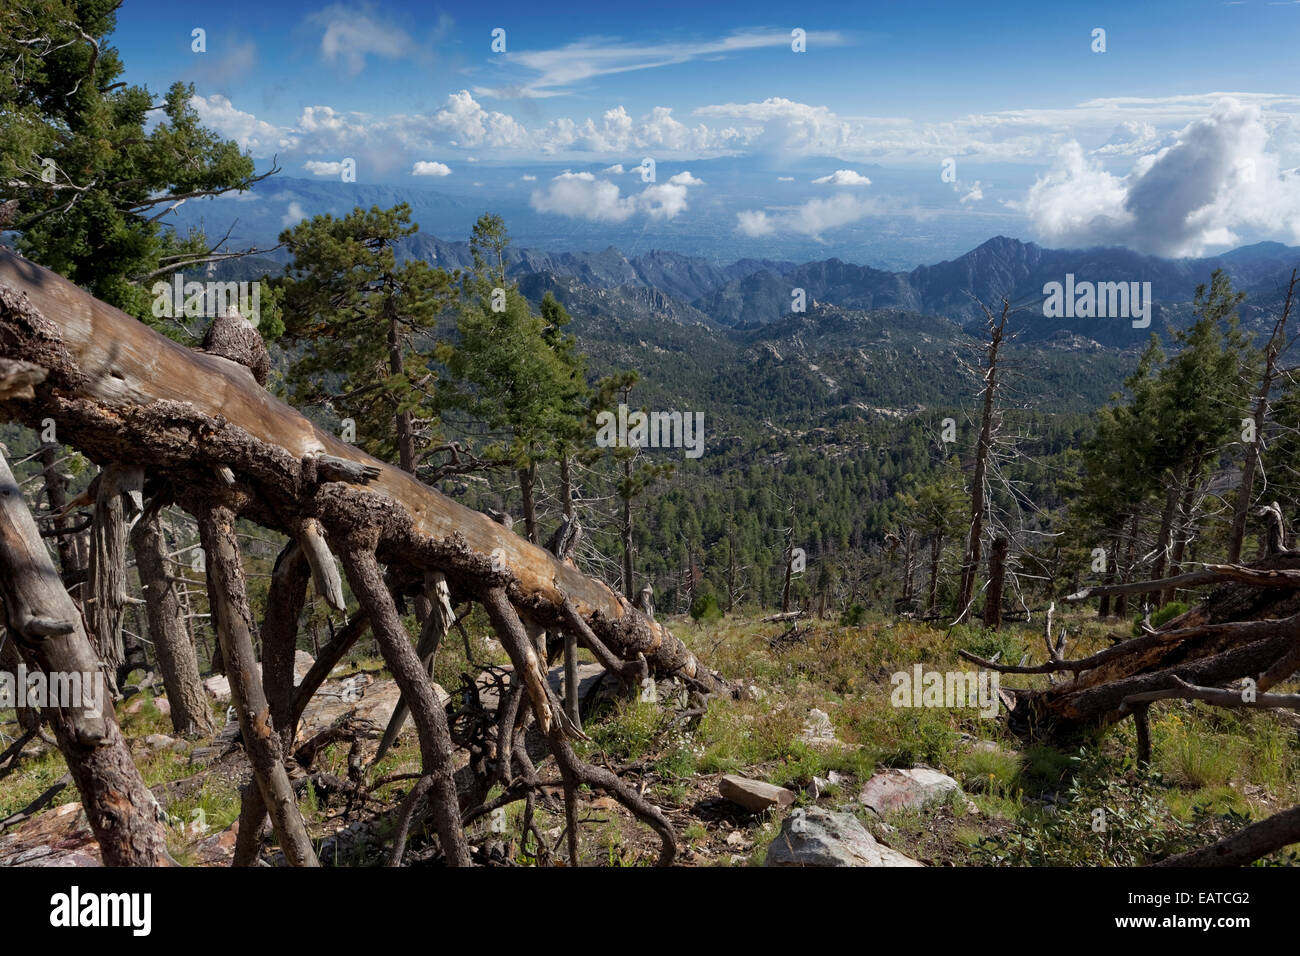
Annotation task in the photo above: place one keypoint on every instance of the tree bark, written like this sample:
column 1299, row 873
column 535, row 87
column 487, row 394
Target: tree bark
column 285, row 600
column 997, row 575
column 367, row 582
column 47, row 628
column 228, row 600
column 527, row 479
column 117, row 501
column 176, row 655
column 432, row 631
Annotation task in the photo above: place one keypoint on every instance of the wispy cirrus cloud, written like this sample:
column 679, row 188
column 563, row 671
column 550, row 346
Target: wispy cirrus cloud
column 558, row 70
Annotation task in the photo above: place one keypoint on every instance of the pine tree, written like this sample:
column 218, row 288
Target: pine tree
column 368, row 324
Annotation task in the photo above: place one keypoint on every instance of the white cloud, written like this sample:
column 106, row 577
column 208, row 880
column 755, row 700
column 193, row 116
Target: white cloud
column 843, row 177
column 429, row 168
column 350, row 35
column 974, row 194
column 462, row 118
column 616, row 170
column 528, row 179
column 583, row 196
column 554, row 72
column 785, row 179
column 292, row 216
column 1218, row 178
column 810, row 219
column 318, row 168
column 754, row 223
column 252, row 134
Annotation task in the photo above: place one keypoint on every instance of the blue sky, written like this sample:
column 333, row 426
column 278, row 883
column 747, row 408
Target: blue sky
column 1182, row 137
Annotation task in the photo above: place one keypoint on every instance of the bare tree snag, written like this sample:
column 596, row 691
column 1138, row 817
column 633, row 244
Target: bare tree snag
column 997, row 574
column 120, row 391
column 47, row 629
column 284, row 603
column 367, row 582
column 229, row 602
column 117, row 502
column 176, row 656
column 1273, row 350
column 988, row 393
column 432, row 631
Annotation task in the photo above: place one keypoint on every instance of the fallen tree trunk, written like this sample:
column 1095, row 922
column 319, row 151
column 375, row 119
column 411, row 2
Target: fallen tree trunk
column 121, row 392
column 1248, row 627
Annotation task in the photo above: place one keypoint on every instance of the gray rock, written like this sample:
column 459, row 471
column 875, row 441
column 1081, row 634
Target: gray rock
column 818, row 837
column 913, row 789
column 754, row 795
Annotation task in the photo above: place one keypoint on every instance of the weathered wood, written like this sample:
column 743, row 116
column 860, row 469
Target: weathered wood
column 229, row 601
column 285, row 599
column 324, row 572
column 117, row 502
column 120, row 391
column 367, row 582
column 435, row 628
column 176, row 656
column 1246, row 845
column 47, row 629
column 997, row 574
column 1210, row 574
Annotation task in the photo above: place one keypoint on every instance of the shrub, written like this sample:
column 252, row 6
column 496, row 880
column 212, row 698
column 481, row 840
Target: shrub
column 704, row 609
column 853, row 616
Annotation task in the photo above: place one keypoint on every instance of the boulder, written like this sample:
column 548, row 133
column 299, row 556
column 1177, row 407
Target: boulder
column 892, row 790
column 818, row 837
column 754, row 795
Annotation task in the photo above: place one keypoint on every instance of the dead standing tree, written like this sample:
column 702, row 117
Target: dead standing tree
column 997, row 326
column 121, row 392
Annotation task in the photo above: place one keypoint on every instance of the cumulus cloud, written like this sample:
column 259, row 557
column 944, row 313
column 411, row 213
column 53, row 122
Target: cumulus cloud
column 429, row 168
column 470, row 124
column 255, row 135
column 528, row 178
column 754, row 223
column 318, row 168
column 810, row 219
column 1217, row 179
column 843, row 177
column 583, row 196
column 615, row 170
column 293, row 215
